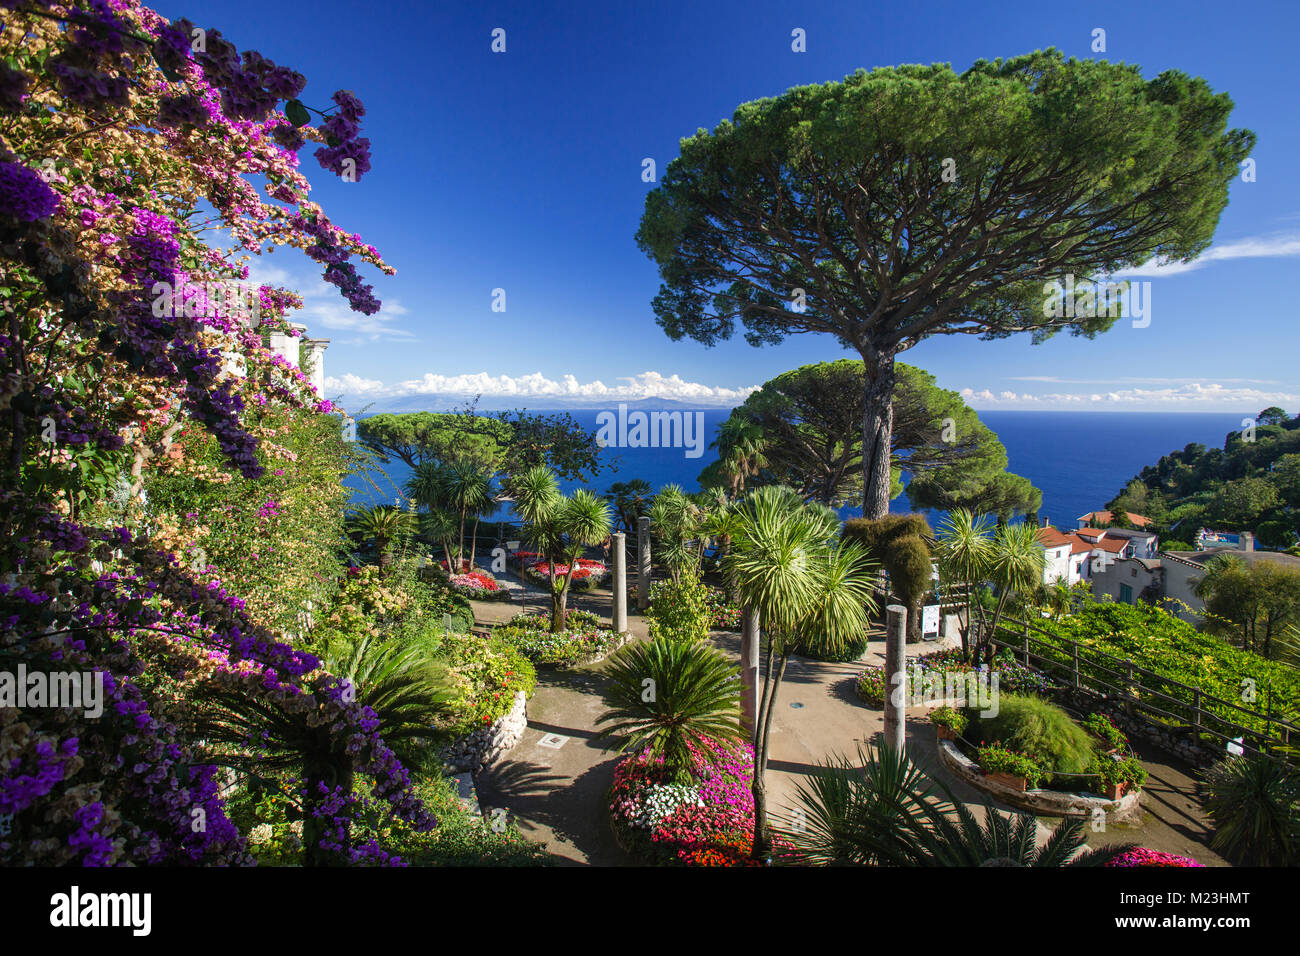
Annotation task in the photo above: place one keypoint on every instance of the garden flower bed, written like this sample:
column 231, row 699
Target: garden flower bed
column 582, row 642
column 478, row 585
column 931, row 672
column 1141, row 856
column 724, row 615
column 708, row 822
column 587, row 574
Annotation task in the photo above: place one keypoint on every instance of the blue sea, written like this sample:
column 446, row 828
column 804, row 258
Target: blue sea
column 1080, row 460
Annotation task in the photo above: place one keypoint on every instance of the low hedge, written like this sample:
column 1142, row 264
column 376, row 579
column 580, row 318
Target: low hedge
column 581, row 642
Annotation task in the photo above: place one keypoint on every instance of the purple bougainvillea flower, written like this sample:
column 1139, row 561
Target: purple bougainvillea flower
column 24, row 195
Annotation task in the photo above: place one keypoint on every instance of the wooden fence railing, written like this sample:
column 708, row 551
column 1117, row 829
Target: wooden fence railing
column 1171, row 704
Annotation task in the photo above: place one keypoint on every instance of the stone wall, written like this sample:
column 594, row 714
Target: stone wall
column 1048, row 803
column 479, row 749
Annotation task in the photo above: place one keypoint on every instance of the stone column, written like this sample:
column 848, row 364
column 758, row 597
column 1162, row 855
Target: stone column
column 618, row 546
column 642, row 563
column 896, row 677
column 750, row 642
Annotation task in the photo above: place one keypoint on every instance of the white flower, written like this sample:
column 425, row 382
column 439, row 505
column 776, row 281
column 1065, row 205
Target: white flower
column 259, row 834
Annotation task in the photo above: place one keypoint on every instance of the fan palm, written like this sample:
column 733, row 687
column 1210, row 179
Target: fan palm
column 886, row 811
column 666, row 695
column 809, row 591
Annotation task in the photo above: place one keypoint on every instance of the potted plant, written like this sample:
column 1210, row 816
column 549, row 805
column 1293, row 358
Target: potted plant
column 1119, row 775
column 948, row 722
column 1008, row 767
column 1101, row 727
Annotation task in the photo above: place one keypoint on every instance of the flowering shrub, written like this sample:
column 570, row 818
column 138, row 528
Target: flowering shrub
column 587, row 574
column 931, row 673
column 1141, row 856
column 1100, row 726
column 871, row 685
column 709, row 822
column 485, row 674
column 582, row 640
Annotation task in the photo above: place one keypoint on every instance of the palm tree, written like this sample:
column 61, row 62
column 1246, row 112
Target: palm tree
column 628, row 499
column 559, row 527
column 469, row 494
column 741, row 452
column 886, row 811
column 1016, row 562
column 678, row 524
column 964, row 551
column 1254, row 801
column 808, row 589
column 385, row 525
column 666, row 695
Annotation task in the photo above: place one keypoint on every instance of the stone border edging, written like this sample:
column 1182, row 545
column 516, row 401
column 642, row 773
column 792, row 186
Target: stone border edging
column 1048, row 803
column 477, row 750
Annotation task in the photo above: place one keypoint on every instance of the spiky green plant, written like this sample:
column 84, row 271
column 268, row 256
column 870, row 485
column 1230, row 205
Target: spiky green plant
column 665, row 695
column 886, row 811
column 1254, row 802
column 964, row 551
column 385, row 525
column 809, row 590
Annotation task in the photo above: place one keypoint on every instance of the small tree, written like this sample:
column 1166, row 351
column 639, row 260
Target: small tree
column 809, row 590
column 560, row 527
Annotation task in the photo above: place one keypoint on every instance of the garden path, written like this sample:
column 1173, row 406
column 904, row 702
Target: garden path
column 557, row 795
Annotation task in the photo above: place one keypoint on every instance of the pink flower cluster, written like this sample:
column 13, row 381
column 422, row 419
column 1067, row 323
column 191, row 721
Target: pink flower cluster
column 723, row 815
column 475, row 581
column 1142, row 856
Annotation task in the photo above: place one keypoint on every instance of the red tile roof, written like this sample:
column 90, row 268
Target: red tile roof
column 1079, row 546
column 1049, row 537
column 1139, row 521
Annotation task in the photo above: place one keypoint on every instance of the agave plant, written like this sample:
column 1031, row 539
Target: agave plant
column 886, row 811
column 665, row 695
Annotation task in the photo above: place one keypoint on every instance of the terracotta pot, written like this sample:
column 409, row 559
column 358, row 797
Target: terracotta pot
column 1007, row 780
column 1115, row 790
column 945, row 733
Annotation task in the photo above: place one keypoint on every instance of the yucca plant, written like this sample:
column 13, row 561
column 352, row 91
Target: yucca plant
column 559, row 527
column 964, row 551
column 665, row 695
column 809, row 590
column 886, row 811
column 1015, row 566
column 1254, row 802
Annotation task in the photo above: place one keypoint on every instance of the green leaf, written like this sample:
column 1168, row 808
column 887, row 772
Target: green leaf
column 297, row 113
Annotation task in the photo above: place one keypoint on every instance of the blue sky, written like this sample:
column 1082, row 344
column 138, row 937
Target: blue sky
column 522, row 171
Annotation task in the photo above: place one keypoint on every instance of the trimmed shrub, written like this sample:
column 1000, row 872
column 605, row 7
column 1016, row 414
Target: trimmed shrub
column 679, row 612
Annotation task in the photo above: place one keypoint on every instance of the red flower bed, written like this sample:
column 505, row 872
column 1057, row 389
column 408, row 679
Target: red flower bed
column 709, row 822
column 1141, row 856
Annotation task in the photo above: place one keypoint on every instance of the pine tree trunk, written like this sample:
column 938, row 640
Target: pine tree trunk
column 877, row 433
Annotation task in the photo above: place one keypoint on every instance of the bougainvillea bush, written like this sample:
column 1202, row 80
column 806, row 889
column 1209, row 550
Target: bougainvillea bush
column 708, row 822
column 122, row 136
column 582, row 641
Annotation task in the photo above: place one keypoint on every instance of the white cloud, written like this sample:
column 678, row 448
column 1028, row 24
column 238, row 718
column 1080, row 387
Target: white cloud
column 1283, row 245
column 537, row 385
column 326, row 313
column 1188, row 396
